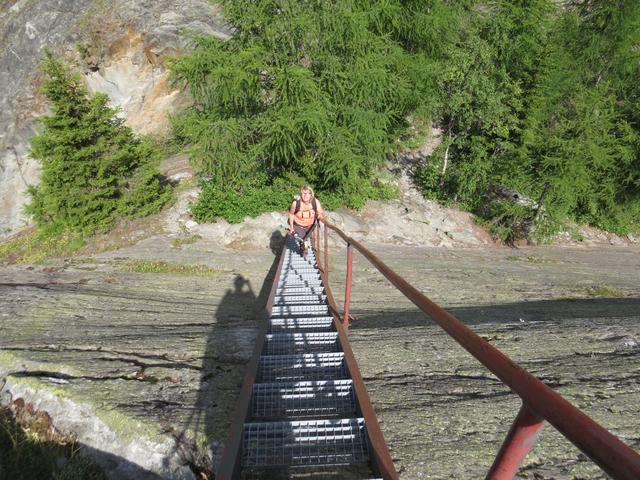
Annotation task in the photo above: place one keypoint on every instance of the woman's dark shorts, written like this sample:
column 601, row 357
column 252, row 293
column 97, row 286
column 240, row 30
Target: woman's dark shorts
column 303, row 232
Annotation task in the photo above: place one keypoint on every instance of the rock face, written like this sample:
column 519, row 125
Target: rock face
column 133, row 362
column 138, row 458
column 119, row 46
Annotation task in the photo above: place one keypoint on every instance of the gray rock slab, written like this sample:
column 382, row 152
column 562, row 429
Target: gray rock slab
column 442, row 413
column 152, row 356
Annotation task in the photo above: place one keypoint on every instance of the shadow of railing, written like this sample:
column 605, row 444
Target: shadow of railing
column 544, row 311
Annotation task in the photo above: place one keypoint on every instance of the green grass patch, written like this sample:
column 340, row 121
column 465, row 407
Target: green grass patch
column 36, row 247
column 179, row 242
column 29, row 448
column 416, row 133
column 216, row 202
column 604, row 291
column 151, row 266
column 528, row 259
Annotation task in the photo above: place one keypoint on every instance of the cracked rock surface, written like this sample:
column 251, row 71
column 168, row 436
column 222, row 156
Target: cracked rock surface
column 151, row 355
column 132, row 361
column 442, row 413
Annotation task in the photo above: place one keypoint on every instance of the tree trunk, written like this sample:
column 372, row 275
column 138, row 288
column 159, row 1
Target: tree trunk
column 446, row 161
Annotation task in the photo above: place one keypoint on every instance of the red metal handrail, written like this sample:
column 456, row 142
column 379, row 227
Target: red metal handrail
column 540, row 402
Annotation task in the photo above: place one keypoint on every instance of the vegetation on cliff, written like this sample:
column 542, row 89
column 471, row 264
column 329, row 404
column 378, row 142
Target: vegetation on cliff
column 533, row 96
column 539, row 98
column 31, row 448
column 304, row 92
column 94, row 169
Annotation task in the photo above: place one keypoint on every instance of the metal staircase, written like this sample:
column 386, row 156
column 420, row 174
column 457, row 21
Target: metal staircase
column 303, row 407
column 304, row 416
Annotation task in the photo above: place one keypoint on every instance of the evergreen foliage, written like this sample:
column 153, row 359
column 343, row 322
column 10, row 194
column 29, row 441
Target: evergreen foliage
column 581, row 137
column 550, row 111
column 538, row 96
column 93, row 167
column 310, row 89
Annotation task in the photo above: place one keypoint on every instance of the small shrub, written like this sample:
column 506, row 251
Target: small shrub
column 179, row 242
column 506, row 220
column 357, row 199
column 604, row 291
column 428, row 177
column 217, row 202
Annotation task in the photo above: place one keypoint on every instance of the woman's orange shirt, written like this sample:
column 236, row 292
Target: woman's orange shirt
column 306, row 215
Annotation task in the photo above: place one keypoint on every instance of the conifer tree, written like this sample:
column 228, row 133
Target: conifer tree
column 93, row 167
column 580, row 141
column 535, row 96
column 309, row 88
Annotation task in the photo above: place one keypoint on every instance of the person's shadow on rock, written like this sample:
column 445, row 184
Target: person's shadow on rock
column 229, row 347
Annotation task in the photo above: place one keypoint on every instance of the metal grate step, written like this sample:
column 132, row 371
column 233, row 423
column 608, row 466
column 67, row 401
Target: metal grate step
column 327, row 398
column 297, row 259
column 299, row 310
column 301, row 323
column 300, row 267
column 300, row 291
column 309, row 366
column 302, row 443
column 303, row 266
column 296, row 256
column 359, row 471
column 305, row 342
column 297, row 277
column 300, row 275
column 299, row 283
column 286, row 298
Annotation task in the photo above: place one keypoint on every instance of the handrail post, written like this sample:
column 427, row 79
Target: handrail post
column 326, row 251
column 314, row 239
column 347, row 291
column 519, row 441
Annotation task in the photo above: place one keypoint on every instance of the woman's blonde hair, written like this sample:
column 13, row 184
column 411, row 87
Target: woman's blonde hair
column 307, row 188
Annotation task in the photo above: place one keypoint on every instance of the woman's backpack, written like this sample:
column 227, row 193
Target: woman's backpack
column 314, row 205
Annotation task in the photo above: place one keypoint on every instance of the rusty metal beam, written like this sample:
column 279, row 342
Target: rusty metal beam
column 380, row 456
column 326, row 251
column 615, row 457
column 519, row 441
column 347, row 290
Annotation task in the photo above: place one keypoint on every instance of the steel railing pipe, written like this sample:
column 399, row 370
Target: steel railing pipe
column 615, row 457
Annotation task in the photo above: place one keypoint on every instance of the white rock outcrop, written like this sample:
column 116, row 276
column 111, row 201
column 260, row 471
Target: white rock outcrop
column 124, row 44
